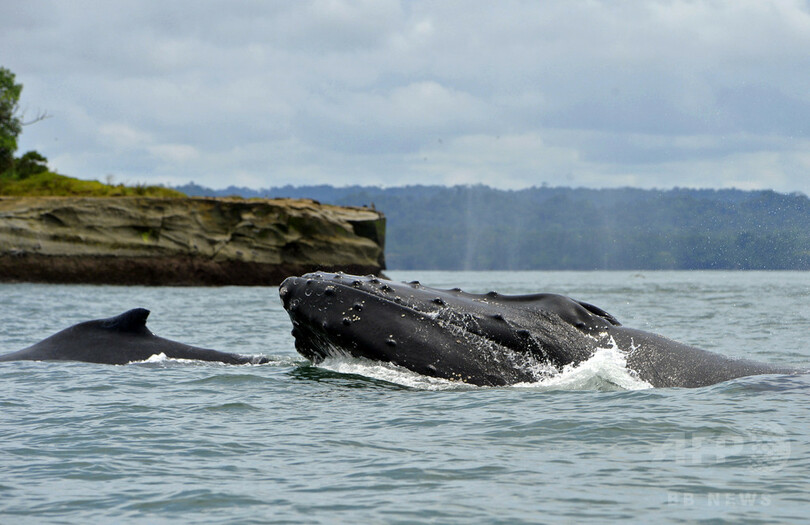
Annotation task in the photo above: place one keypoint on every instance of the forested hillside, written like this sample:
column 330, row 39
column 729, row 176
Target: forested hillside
column 477, row 227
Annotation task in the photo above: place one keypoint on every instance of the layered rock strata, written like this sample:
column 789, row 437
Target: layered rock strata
column 186, row 241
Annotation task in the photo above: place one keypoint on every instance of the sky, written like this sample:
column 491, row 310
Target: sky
column 511, row 94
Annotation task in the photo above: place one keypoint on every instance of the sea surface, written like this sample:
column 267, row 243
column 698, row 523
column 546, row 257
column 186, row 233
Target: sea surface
column 168, row 441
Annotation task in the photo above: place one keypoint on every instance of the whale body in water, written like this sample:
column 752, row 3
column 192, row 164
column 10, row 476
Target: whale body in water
column 488, row 339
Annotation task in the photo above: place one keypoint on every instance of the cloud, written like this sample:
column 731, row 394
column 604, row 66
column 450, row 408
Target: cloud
column 512, row 94
column 507, row 161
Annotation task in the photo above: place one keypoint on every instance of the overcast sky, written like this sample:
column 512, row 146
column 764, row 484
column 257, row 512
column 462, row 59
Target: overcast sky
column 509, row 93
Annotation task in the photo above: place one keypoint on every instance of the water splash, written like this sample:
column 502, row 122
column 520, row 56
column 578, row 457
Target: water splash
column 162, row 359
column 389, row 372
column 606, row 370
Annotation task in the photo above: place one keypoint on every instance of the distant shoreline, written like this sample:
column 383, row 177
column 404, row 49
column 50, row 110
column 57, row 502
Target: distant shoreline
column 559, row 228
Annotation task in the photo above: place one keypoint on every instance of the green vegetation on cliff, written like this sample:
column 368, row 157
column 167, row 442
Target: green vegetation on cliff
column 47, row 183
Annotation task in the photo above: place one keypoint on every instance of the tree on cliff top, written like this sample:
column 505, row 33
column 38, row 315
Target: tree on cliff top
column 11, row 120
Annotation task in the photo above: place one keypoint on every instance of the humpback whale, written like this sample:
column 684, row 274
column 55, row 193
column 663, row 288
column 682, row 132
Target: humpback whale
column 117, row 341
column 487, row 340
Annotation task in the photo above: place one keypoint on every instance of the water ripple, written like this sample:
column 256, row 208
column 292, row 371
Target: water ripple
column 291, row 443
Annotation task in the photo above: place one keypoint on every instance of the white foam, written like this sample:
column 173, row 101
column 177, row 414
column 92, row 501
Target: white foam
column 388, row 372
column 605, row 370
column 162, row 359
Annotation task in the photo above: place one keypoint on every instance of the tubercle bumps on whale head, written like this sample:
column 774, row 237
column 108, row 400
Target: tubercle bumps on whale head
column 328, row 313
column 518, row 309
column 318, row 288
column 315, row 291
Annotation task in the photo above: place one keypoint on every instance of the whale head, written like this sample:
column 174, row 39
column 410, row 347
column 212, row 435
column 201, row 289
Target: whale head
column 487, row 339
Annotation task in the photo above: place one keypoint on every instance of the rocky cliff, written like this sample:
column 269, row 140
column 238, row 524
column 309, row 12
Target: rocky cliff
column 184, row 241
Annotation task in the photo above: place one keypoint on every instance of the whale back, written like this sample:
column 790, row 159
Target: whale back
column 117, row 340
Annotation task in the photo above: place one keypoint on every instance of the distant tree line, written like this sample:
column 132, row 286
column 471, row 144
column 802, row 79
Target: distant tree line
column 481, row 228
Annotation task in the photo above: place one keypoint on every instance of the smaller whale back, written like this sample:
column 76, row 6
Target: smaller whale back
column 116, row 341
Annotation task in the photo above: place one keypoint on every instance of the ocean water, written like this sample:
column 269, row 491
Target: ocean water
column 167, row 441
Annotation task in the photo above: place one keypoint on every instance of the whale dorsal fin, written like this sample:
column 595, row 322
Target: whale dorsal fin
column 130, row 321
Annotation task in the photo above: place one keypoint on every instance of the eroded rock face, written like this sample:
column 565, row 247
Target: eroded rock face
column 142, row 240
